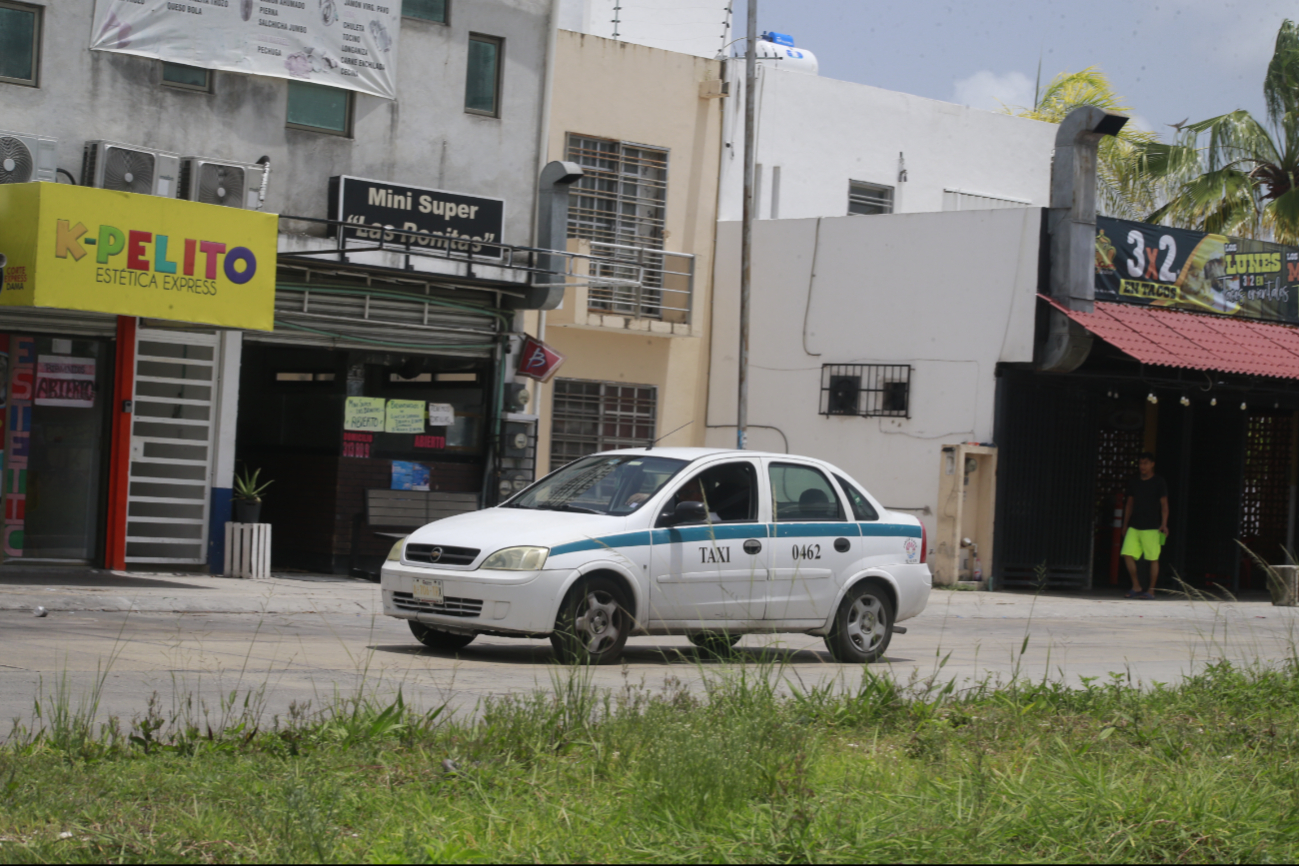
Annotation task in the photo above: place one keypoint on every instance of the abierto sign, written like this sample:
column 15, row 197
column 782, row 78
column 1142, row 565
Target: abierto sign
column 435, row 219
column 96, row 250
column 340, row 43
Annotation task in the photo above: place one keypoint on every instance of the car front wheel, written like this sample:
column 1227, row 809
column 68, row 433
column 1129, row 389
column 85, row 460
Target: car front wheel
column 593, row 623
column 437, row 639
column 863, row 626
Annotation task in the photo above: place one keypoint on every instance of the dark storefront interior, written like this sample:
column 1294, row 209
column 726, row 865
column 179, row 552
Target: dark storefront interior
column 1225, row 444
column 291, row 427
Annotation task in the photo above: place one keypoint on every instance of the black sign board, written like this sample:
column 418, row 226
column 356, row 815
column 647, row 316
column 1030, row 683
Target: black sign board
column 1156, row 266
column 436, row 220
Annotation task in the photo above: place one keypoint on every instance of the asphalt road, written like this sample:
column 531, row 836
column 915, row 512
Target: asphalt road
column 195, row 641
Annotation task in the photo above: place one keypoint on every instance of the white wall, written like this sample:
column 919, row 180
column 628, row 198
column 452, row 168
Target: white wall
column 951, row 294
column 822, row 133
column 688, row 26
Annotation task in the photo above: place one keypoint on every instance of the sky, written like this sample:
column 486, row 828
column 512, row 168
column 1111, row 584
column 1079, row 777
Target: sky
column 1169, row 61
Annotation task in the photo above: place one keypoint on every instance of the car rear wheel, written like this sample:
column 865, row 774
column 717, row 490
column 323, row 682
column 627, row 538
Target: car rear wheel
column 863, row 626
column 435, row 638
column 593, row 623
column 714, row 643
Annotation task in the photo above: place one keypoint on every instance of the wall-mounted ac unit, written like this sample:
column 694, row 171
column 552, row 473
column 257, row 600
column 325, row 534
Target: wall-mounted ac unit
column 25, row 158
column 128, row 168
column 215, row 181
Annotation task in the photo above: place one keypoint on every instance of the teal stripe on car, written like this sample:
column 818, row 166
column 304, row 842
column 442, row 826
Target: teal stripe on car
column 814, row 530
column 731, row 531
column 903, row 530
column 720, row 532
column 625, row 539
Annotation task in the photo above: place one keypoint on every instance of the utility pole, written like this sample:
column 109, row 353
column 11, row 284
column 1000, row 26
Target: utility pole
column 746, row 226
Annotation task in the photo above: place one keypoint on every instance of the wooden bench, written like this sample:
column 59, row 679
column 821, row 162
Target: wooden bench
column 411, row 509
column 397, row 513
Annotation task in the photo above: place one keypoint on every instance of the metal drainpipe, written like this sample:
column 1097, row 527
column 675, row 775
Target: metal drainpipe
column 1071, row 223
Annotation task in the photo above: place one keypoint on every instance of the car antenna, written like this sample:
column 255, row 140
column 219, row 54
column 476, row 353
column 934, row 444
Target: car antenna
column 654, row 442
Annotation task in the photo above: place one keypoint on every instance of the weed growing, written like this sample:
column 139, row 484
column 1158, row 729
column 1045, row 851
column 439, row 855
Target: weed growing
column 749, row 769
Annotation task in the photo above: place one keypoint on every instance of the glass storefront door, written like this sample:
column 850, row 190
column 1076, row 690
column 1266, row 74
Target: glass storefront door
column 56, row 394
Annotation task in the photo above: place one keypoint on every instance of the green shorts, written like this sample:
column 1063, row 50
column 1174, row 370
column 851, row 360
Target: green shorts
column 1143, row 542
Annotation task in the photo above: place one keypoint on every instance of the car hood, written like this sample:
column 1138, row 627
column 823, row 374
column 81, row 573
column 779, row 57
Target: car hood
column 491, row 529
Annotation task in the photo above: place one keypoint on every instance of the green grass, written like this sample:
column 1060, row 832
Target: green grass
column 1202, row 770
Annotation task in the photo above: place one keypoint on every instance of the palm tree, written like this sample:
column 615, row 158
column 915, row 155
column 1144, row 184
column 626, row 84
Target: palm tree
column 1123, row 189
column 1232, row 174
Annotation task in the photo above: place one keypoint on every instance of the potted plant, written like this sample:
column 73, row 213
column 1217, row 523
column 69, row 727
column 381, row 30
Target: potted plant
column 248, row 496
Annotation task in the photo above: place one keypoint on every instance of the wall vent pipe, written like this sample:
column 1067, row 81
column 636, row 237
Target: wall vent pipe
column 1071, row 225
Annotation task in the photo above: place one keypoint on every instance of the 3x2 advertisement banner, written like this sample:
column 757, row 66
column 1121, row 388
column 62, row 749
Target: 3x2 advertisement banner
column 340, row 43
column 1150, row 265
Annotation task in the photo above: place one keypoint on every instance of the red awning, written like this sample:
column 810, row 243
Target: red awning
column 1194, row 341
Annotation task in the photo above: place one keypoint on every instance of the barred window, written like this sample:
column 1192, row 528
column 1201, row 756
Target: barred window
column 869, row 390
column 869, row 198
column 620, row 205
column 587, row 417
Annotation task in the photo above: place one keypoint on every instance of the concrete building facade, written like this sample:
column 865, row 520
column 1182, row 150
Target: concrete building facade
column 646, row 126
column 358, row 315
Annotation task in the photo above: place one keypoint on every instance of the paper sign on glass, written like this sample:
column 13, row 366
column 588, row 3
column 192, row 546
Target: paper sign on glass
column 62, row 380
column 405, row 416
column 441, row 414
column 363, row 413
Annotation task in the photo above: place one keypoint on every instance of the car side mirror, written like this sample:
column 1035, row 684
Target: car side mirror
column 690, row 512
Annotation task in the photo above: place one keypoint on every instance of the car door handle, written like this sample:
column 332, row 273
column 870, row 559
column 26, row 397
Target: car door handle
column 842, row 545
column 753, row 546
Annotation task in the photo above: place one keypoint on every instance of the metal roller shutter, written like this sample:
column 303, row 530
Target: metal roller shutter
column 356, row 318
column 48, row 320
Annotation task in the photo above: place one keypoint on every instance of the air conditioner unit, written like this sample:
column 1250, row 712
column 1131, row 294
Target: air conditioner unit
column 128, row 168
column 214, row 181
column 25, row 158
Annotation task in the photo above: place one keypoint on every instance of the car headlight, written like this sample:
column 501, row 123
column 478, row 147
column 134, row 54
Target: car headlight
column 394, row 555
column 517, row 559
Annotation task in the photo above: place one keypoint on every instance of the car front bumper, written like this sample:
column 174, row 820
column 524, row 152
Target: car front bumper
column 480, row 601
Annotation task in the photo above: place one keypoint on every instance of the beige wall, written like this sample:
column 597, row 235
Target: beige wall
column 617, row 90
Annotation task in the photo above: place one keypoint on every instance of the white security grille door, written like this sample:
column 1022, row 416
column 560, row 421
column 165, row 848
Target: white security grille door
column 172, row 434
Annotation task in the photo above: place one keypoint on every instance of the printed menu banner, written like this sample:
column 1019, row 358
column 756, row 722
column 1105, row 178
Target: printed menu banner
column 340, row 43
column 409, row 476
column 62, row 380
column 1150, row 265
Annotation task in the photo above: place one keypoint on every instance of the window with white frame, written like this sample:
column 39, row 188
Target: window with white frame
column 620, row 206
column 587, row 417
column 869, row 198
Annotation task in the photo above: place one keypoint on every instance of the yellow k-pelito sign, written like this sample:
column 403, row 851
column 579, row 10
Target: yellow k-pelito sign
column 79, row 248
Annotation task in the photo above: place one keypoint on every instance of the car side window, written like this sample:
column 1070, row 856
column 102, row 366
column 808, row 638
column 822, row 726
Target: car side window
column 802, row 493
column 728, row 491
column 861, row 506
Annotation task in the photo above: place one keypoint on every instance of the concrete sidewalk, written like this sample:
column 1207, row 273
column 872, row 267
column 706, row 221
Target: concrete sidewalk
column 24, row 588
column 95, row 590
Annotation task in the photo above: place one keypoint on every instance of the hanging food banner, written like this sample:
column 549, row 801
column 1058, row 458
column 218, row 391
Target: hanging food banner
column 340, row 43
column 1156, row 266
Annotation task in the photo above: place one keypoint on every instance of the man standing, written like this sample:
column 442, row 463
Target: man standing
column 1145, row 523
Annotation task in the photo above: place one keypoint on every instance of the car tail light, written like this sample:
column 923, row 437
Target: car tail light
column 924, row 544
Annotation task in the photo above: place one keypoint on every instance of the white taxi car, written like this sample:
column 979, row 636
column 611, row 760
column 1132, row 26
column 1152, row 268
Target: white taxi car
column 712, row 544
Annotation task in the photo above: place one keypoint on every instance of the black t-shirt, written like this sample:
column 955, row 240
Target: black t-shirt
column 1146, row 493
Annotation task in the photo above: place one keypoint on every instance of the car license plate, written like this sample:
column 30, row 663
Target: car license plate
column 428, row 590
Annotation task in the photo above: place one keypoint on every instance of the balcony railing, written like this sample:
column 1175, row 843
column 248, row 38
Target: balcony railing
column 640, row 282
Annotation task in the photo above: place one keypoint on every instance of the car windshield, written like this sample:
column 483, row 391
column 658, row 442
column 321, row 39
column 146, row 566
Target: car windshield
column 601, row 484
